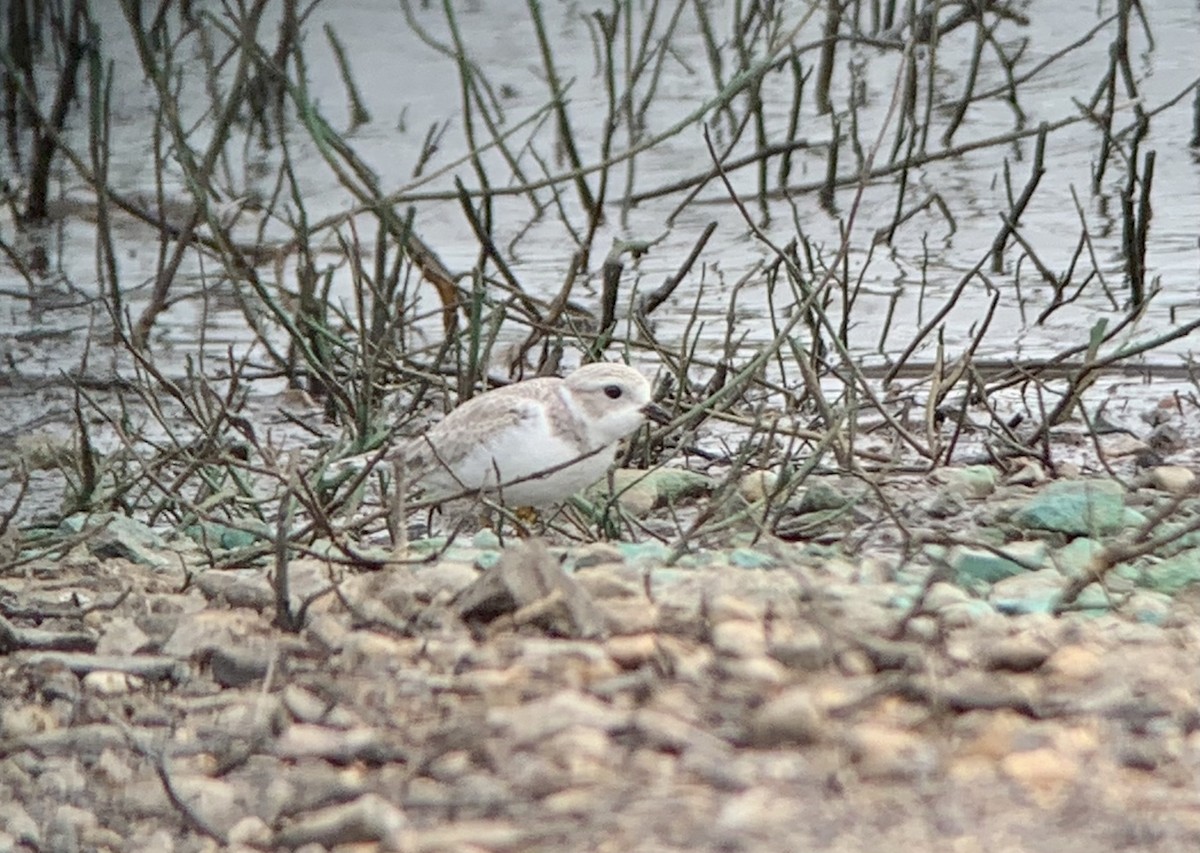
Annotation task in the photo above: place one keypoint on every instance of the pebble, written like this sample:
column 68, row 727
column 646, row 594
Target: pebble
column 792, row 717
column 970, row 481
column 594, row 554
column 884, row 752
column 757, row 485
column 1173, row 479
column 1031, row 592
column 739, row 638
column 1018, row 653
column 963, row 614
column 610, row 580
column 802, row 648
column 105, row 682
column 1045, row 773
column 1074, row 663
column 631, row 651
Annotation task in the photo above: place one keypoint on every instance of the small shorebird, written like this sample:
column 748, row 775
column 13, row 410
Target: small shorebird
column 532, row 443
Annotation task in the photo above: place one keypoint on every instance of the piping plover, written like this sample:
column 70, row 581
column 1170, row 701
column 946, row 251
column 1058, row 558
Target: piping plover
column 532, row 443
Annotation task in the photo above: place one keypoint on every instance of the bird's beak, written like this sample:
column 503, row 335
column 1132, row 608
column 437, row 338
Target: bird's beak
column 656, row 413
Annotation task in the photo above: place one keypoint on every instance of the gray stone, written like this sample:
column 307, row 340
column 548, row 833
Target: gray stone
column 1018, row 653
column 820, row 495
column 121, row 537
column 1032, row 592
column 790, row 717
column 971, row 481
column 640, row 492
column 529, row 585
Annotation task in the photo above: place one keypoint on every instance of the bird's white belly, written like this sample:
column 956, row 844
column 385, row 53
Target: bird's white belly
column 510, row 460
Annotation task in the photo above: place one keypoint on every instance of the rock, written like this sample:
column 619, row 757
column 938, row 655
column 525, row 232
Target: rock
column 19, row 825
column 1074, row 663
column 739, row 638
column 650, row 551
column 222, row 537
column 609, row 580
column 1174, row 573
column 725, row 607
column 370, row 819
column 1173, row 479
column 1032, row 592
column 486, row 540
column 1030, row 473
column 639, row 492
column 946, row 505
column 239, row 665
column 628, row 615
column 942, row 594
column 631, row 651
column 118, row 536
column 528, row 585
column 197, row 632
column 1076, row 559
column 758, row 485
column 821, row 495
column 1076, row 507
column 107, row 682
column 971, row 481
column 963, row 614
column 884, row 752
column 1018, row 653
column 18, row 721
column 1148, row 607
column 250, row 832
column 982, row 565
column 1045, row 773
column 802, row 649
column 748, row 558
column 122, row 636
column 594, row 554
column 792, row 717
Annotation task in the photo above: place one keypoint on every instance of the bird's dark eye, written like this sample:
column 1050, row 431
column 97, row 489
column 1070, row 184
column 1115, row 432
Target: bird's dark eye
column 612, row 391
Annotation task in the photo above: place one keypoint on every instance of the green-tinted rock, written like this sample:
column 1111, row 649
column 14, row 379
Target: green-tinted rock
column 1133, row 518
column 1148, row 607
column 486, row 540
column 1075, row 558
column 486, row 559
column 428, row 545
column 821, row 495
column 973, row 565
column 1174, row 573
column 644, row 551
column 746, row 558
column 1076, row 507
column 224, row 537
column 118, row 536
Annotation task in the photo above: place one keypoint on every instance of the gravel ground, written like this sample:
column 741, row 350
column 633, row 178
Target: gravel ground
column 768, row 696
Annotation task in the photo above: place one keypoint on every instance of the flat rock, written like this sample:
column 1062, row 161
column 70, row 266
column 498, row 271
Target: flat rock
column 1076, row 507
column 792, row 717
column 529, row 585
column 988, row 566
